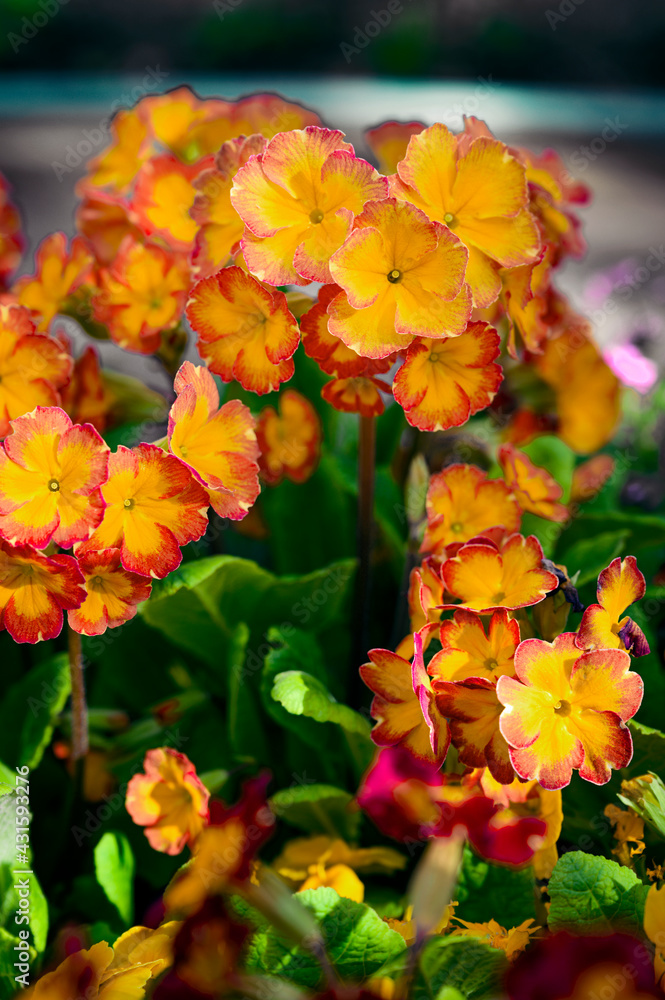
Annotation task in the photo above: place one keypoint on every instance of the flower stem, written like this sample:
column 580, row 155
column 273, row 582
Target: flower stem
column 366, row 461
column 79, row 705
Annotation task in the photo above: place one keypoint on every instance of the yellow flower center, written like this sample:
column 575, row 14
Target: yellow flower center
column 491, row 663
column 450, row 220
column 499, row 596
column 316, row 216
column 54, row 486
column 563, row 708
column 394, row 276
column 129, row 503
column 457, row 526
column 434, row 357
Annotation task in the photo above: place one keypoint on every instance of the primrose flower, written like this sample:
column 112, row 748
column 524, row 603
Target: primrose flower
column 477, row 189
column 463, row 503
column 60, row 273
column 88, row 972
column 527, row 302
column 304, row 853
column 533, row 487
column 604, row 625
column 467, row 650
column 357, row 394
column 86, row 397
column 389, row 142
column 220, row 226
column 106, row 220
column 112, row 594
column 163, row 196
column 246, row 331
column 117, row 165
column 331, row 354
column 153, row 506
column 566, row 710
column 401, row 276
column 218, row 444
column 512, row 942
column 34, row 591
column 33, row 367
column 405, row 708
column 297, row 199
column 444, row 382
column 290, row 440
column 484, row 577
column 141, row 294
column 169, row 800
column 11, row 237
column 50, row 476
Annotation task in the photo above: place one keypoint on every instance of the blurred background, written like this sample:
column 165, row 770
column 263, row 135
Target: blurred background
column 583, row 76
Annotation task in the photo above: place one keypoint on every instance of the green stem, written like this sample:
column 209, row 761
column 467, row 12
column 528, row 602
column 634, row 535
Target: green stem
column 79, row 705
column 366, row 462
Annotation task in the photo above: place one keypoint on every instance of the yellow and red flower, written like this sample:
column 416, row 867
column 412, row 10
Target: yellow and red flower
column 483, row 576
column 50, row 476
column 153, row 506
column 60, row 272
column 112, row 594
column 11, row 238
column 106, row 220
column 298, row 199
column 86, row 397
column 604, row 625
column 117, row 165
column 141, row 294
column 404, row 705
column 444, row 382
column 401, row 276
column 356, row 394
column 34, row 591
column 477, row 188
column 169, row 800
column 463, row 503
column 331, row 354
column 219, row 225
column 290, row 440
column 33, row 367
column 163, row 197
column 389, row 142
column 218, row 444
column 533, row 487
column 467, row 650
column 566, row 710
column 246, row 331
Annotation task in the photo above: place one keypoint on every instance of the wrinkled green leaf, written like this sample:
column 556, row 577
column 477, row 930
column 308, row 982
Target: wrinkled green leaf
column 492, row 892
column 591, row 895
column 464, row 964
column 318, row 809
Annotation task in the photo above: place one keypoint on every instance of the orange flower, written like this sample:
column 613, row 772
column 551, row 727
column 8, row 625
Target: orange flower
column 290, row 440
column 169, row 800
column 246, row 332
column 117, row 165
column 33, row 367
column 389, row 142
column 34, row 590
column 220, row 226
column 357, row 394
column 444, row 382
column 604, row 625
column 60, row 272
column 467, row 651
column 478, row 189
column 218, row 444
column 589, row 478
column 533, row 487
column 405, row 706
column 112, row 594
column 106, row 220
column 512, row 942
column 565, row 710
column 462, row 503
column 341, row 878
column 163, row 196
column 90, row 973
column 86, row 397
column 331, row 354
column 484, row 577
column 142, row 293
column 12, row 243
column 298, row 199
column 50, row 474
column 402, row 276
column 527, row 300
column 153, row 506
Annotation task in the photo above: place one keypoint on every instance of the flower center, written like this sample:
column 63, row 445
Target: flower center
column 394, row 276
column 450, row 220
column 499, row 596
column 54, row 486
column 129, row 503
column 433, row 357
column 563, row 708
column 96, row 583
column 316, row 216
column 491, row 664
column 456, row 526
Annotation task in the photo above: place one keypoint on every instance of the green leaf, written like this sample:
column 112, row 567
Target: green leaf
column 591, row 555
column 591, row 895
column 114, row 869
column 645, row 530
column 30, row 709
column 318, row 809
column 485, row 892
column 357, row 941
column 200, row 604
column 464, row 965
